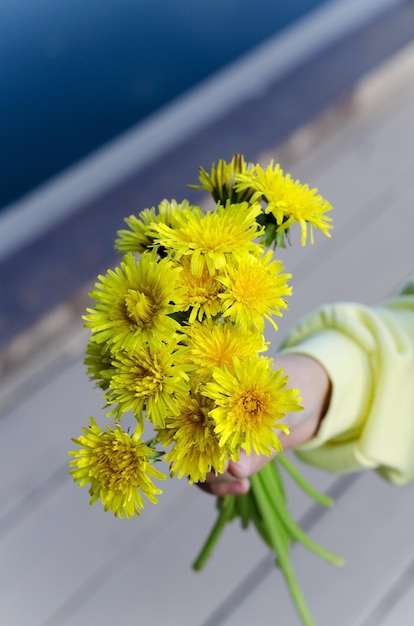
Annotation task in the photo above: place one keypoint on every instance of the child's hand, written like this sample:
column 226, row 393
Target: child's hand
column 312, row 380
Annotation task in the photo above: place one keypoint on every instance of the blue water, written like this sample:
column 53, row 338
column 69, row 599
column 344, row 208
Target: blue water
column 75, row 73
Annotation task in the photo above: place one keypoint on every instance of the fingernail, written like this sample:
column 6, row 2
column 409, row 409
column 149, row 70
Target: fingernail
column 239, row 487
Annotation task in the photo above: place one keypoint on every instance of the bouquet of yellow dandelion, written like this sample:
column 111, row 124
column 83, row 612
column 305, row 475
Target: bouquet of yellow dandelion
column 177, row 341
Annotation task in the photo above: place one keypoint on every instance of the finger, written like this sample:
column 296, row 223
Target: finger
column 227, row 488
column 247, row 464
column 244, row 467
column 224, row 485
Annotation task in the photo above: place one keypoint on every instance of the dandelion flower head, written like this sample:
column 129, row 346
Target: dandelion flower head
column 201, row 292
column 255, row 291
column 138, row 237
column 195, row 448
column 287, row 199
column 250, row 402
column 220, row 183
column 209, row 242
column 149, row 378
column 118, row 468
column 134, row 303
column 98, row 361
column 212, row 345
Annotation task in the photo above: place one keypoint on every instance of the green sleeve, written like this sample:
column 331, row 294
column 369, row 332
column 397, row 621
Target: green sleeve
column 369, row 356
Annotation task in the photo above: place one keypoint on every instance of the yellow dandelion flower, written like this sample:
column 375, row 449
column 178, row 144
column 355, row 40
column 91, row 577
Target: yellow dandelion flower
column 209, row 241
column 255, row 291
column 212, row 345
column 287, row 200
column 118, row 468
column 150, row 378
column 221, row 180
column 98, row 361
column 137, row 238
column 201, row 293
column 250, row 402
column 196, row 450
column 135, row 303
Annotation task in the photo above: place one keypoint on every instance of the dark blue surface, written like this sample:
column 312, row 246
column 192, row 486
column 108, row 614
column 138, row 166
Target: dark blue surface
column 75, row 73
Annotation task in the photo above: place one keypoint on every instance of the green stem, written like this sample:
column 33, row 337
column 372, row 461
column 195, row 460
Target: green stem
column 303, row 484
column 273, row 480
column 242, row 507
column 280, row 550
column 226, row 506
column 256, row 518
column 271, row 474
column 295, row 531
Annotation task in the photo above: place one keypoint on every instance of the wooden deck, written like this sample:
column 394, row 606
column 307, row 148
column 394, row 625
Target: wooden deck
column 63, row 563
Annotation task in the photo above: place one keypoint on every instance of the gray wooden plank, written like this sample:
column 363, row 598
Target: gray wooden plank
column 398, row 609
column 41, row 424
column 55, row 550
column 356, row 180
column 364, row 266
column 371, row 526
column 165, row 564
